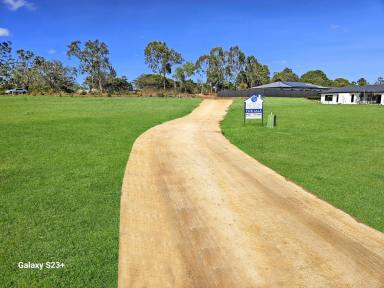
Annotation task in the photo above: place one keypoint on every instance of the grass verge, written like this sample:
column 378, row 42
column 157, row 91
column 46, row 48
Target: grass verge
column 335, row 151
column 61, row 168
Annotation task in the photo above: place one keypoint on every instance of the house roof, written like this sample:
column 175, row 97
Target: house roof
column 289, row 84
column 357, row 89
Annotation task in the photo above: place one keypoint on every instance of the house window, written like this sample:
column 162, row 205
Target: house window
column 328, row 98
column 352, row 98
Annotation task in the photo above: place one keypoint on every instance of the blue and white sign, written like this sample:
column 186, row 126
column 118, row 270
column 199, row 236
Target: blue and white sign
column 253, row 108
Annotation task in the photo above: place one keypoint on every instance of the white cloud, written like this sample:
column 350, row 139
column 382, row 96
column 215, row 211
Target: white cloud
column 51, row 51
column 4, row 32
column 17, row 4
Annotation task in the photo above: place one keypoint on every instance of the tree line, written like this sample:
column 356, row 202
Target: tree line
column 226, row 69
column 217, row 70
column 27, row 70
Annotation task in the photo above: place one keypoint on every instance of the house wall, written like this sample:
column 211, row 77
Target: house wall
column 367, row 99
column 344, row 98
column 334, row 98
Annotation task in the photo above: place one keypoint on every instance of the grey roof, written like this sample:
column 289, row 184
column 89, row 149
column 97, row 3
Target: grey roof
column 288, row 84
column 357, row 89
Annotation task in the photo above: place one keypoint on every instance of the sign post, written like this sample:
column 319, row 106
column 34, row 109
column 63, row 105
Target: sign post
column 253, row 108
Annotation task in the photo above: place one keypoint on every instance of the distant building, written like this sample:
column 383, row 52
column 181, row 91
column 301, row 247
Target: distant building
column 369, row 94
column 278, row 89
column 291, row 85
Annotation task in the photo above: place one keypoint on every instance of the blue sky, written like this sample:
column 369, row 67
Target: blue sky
column 343, row 38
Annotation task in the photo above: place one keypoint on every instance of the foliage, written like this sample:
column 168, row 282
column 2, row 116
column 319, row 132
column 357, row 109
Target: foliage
column 23, row 74
column 160, row 58
column 191, row 87
column 254, row 74
column 183, row 73
column 380, row 81
column 234, row 63
column 152, row 81
column 55, row 75
column 217, row 70
column 341, row 82
column 230, row 69
column 213, row 66
column 6, row 63
column 286, row 75
column 362, row 82
column 94, row 61
column 308, row 148
column 34, row 72
column 316, row 77
column 118, row 84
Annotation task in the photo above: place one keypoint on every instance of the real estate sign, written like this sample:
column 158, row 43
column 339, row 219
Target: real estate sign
column 253, row 107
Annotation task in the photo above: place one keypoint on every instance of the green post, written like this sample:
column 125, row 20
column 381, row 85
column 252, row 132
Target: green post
column 244, row 114
column 271, row 121
column 262, row 114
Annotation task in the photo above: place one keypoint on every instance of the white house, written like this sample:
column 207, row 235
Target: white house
column 369, row 94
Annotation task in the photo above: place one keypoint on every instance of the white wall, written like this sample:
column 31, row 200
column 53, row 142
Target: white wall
column 346, row 98
column 334, row 96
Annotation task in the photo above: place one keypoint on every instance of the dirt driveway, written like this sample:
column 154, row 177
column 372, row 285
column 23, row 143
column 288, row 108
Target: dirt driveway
column 198, row 212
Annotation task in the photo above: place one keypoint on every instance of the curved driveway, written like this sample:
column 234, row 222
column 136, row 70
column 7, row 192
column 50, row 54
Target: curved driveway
column 198, row 212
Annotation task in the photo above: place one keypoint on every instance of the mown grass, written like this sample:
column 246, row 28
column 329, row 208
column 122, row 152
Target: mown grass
column 335, row 151
column 61, row 167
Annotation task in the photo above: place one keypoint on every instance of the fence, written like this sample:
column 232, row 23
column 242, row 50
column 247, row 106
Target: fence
column 272, row 92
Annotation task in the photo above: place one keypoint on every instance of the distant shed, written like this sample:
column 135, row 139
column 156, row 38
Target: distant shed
column 278, row 89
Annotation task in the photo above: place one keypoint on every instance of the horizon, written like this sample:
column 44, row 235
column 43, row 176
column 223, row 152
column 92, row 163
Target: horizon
column 340, row 38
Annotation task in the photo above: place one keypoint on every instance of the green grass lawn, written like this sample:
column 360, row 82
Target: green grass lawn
column 335, row 151
column 62, row 162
